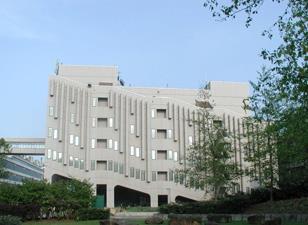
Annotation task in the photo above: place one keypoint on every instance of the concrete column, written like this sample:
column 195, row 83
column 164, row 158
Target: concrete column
column 110, row 196
column 154, row 200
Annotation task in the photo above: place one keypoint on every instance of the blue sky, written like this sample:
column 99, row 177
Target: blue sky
column 154, row 43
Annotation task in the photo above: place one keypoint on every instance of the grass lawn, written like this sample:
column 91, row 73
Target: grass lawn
column 136, row 222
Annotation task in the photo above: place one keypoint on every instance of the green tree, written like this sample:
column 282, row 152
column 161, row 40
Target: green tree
column 4, row 150
column 210, row 159
column 284, row 83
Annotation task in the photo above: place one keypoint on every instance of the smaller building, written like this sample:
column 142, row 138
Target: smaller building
column 25, row 160
column 20, row 168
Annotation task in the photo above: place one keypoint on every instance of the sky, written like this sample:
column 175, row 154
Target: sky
column 174, row 43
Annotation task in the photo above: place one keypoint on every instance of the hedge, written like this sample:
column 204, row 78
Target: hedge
column 10, row 220
column 92, row 214
column 24, row 211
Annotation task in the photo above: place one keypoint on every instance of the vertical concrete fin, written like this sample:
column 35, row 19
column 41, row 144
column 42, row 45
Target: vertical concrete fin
column 87, row 160
column 62, row 99
column 82, row 118
column 170, row 109
column 66, row 126
column 51, row 87
column 116, row 111
column 77, row 119
column 143, row 128
column 180, row 121
column 148, row 142
column 126, row 153
column 56, row 109
column 175, row 122
column 131, row 100
column 111, row 99
column 121, row 123
column 137, row 117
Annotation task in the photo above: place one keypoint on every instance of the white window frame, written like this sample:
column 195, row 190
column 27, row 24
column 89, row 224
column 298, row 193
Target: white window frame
column 110, row 143
column 116, row 146
column 55, row 134
column 54, row 155
column 137, row 151
column 132, row 150
column 94, row 102
column 132, row 129
column 169, row 133
column 175, row 156
column 71, row 139
column 49, row 153
column 93, row 143
column 71, row 161
column 49, row 131
column 153, row 133
column 170, row 154
column 76, row 140
column 72, row 117
column 59, row 155
column 51, row 111
column 111, row 122
column 153, row 113
column 190, row 140
column 153, row 155
column 93, row 122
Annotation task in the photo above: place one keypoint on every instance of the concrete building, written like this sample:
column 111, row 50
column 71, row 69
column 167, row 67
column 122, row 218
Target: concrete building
column 128, row 141
column 25, row 160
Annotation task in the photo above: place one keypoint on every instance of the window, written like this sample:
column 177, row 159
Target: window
column 105, row 84
column 81, row 164
column 70, row 161
column 93, row 122
column 110, row 165
column 132, row 129
column 132, row 150
column 142, row 175
column 162, row 176
column 93, row 102
column 101, row 165
column 55, row 134
column 153, row 176
column 110, row 143
column 162, row 154
column 115, row 145
column 175, row 156
column 51, row 110
column 153, row 133
column 76, row 140
column 169, row 134
column 170, row 154
column 60, row 157
column 153, row 154
column 132, row 172
column 92, row 164
column 153, row 113
column 137, row 152
column 102, row 102
column 49, row 153
column 161, row 113
column 121, row 168
column 190, row 140
column 102, row 122
column 49, row 132
column 137, row 173
column 161, row 134
column 110, row 122
column 102, row 143
column 72, row 117
column 92, row 143
column 76, row 163
column 116, row 167
column 71, row 139
column 170, row 175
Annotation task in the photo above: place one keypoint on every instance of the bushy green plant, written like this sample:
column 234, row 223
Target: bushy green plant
column 10, row 220
column 92, row 214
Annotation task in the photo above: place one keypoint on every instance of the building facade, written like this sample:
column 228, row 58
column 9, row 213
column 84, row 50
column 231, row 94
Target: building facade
column 129, row 141
column 25, row 160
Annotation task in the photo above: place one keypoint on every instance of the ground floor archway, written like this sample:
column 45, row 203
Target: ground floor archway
column 128, row 197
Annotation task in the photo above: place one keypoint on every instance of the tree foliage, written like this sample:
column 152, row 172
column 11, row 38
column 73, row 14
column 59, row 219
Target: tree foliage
column 210, row 159
column 280, row 96
column 4, row 149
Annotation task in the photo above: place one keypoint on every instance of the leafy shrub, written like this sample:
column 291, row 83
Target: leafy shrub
column 92, row 214
column 24, row 211
column 10, row 220
column 234, row 204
